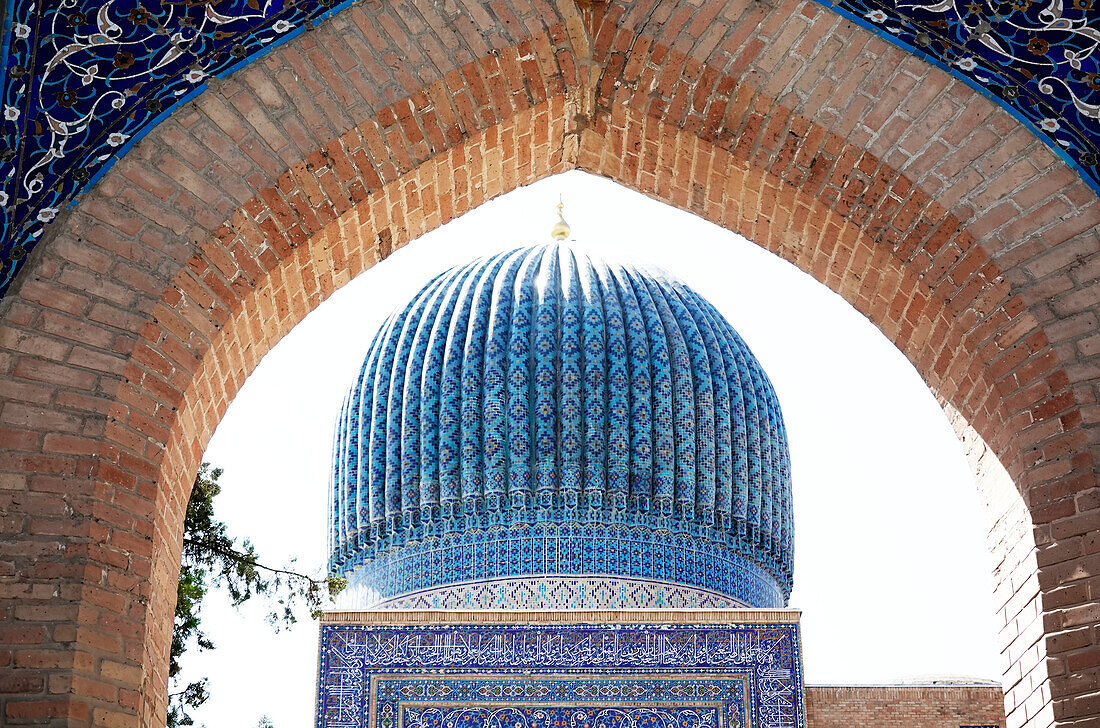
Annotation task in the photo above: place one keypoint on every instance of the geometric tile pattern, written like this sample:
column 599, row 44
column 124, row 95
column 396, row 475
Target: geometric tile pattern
column 85, row 79
column 540, row 676
column 570, row 593
column 641, row 555
column 576, row 714
column 541, row 388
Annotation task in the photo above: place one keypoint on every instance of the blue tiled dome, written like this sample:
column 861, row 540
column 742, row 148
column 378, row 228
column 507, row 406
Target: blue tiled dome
column 541, row 413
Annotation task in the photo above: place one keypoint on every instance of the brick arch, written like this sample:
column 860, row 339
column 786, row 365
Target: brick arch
column 909, row 306
column 934, row 213
column 834, row 208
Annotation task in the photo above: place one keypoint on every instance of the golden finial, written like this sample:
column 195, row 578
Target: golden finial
column 560, row 231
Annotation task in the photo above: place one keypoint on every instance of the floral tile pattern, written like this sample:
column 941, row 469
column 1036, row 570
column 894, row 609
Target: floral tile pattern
column 1039, row 59
column 84, row 79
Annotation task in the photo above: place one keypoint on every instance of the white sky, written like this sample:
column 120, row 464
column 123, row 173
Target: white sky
column 891, row 571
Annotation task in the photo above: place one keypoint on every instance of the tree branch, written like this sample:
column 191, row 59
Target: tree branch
column 239, row 558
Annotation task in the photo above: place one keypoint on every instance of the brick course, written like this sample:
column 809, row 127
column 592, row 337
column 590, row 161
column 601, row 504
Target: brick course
column 955, row 231
column 903, row 706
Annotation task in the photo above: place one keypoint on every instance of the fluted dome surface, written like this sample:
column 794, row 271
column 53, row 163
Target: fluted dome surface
column 539, row 412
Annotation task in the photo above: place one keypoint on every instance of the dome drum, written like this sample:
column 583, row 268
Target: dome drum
column 538, row 390
column 636, row 553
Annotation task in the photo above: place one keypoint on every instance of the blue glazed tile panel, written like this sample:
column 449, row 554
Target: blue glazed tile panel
column 688, row 676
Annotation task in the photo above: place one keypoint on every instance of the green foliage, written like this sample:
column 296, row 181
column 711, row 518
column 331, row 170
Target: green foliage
column 211, row 555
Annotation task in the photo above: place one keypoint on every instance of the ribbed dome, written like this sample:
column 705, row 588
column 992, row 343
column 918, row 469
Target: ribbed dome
column 541, row 412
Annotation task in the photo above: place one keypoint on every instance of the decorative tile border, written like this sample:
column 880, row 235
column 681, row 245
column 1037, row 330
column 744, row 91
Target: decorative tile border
column 567, row 550
column 393, row 671
column 520, row 701
column 453, row 617
column 86, row 79
column 551, row 592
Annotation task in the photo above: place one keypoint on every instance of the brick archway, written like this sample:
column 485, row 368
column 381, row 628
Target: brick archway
column 959, row 234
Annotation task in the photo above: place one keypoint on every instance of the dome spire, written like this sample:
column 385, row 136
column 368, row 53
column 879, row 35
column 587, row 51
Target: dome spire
column 560, row 231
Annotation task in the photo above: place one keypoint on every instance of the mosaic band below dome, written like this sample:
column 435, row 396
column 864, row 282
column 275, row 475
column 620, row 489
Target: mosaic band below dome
column 657, row 566
column 570, row 593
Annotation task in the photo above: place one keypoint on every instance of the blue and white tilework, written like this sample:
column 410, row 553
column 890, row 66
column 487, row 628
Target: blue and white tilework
column 620, row 676
column 539, row 412
column 85, row 79
column 595, row 549
column 573, row 714
column 569, row 593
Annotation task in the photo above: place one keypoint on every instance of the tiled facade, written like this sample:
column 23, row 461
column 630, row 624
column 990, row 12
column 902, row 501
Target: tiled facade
column 534, row 669
column 385, row 670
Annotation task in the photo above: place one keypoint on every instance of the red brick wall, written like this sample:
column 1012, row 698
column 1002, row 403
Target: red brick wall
column 892, row 706
column 952, row 228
